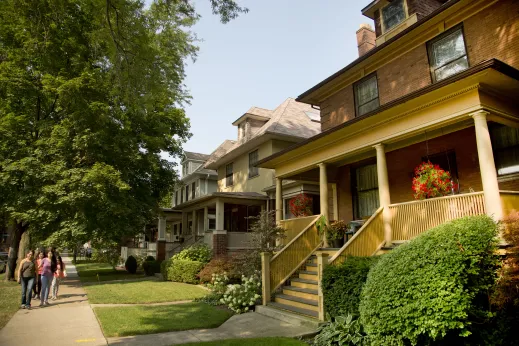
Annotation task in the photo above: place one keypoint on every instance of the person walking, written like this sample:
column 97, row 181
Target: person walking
column 46, row 279
column 58, row 276
column 26, row 275
column 39, row 269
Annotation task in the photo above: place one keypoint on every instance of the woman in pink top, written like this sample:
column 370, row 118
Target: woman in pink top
column 37, row 284
column 46, row 279
column 58, row 275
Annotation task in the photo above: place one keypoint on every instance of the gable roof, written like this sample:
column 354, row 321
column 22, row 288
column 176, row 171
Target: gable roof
column 291, row 120
column 195, row 156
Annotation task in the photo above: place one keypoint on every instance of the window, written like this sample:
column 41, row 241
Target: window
column 175, row 201
column 393, row 14
column 447, row 54
column 505, row 144
column 366, row 199
column 253, row 160
column 181, row 196
column 366, row 95
column 193, row 189
column 228, row 175
column 187, row 193
column 212, row 223
column 184, row 168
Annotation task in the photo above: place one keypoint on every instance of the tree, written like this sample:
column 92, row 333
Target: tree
column 91, row 93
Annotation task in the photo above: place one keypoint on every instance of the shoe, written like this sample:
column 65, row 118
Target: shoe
column 47, row 304
column 54, row 298
column 41, row 304
column 38, row 297
column 28, row 307
column 23, row 306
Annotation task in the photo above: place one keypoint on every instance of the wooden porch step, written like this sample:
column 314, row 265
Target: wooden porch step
column 298, row 302
column 312, row 267
column 304, row 274
column 300, row 292
column 293, row 309
column 303, row 283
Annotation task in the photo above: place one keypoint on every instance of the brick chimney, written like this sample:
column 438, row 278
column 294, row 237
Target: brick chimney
column 365, row 39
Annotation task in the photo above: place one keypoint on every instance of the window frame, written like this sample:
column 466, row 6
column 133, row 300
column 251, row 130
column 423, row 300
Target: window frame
column 193, row 190
column 253, row 168
column 497, row 152
column 187, row 192
column 383, row 23
column 229, row 177
column 439, row 37
column 355, row 93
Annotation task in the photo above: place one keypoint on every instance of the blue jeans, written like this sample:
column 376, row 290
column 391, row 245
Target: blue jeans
column 46, row 280
column 27, row 284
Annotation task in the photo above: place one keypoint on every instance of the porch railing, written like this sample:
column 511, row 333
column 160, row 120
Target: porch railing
column 293, row 255
column 294, row 226
column 509, row 201
column 412, row 218
column 365, row 242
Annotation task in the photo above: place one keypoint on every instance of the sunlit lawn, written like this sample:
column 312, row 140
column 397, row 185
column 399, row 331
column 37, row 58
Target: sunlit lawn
column 10, row 299
column 252, row 342
column 94, row 272
column 134, row 320
column 142, row 292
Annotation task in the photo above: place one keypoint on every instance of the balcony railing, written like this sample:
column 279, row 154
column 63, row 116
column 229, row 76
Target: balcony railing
column 412, row 218
column 294, row 226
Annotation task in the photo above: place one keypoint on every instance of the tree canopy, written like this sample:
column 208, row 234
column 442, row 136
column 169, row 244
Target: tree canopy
column 91, row 94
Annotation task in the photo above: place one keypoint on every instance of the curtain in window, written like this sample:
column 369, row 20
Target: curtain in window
column 449, row 56
column 253, row 160
column 228, row 175
column 393, row 14
column 505, row 143
column 367, row 96
column 367, row 191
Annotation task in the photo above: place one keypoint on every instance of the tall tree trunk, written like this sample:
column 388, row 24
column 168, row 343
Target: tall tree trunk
column 16, row 235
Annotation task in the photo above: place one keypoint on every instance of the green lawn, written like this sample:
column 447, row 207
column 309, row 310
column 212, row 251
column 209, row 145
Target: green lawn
column 134, row 320
column 10, row 299
column 142, row 292
column 252, row 342
column 93, row 272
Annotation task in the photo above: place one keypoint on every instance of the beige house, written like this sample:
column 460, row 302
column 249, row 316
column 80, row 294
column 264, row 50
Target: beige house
column 219, row 213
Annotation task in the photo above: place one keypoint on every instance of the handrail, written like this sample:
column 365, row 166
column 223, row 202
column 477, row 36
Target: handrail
column 298, row 235
column 293, row 255
column 440, row 198
column 294, row 225
column 367, row 249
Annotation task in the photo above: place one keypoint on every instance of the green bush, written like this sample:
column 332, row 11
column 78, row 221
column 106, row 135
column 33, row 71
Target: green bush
column 197, row 252
column 164, row 269
column 342, row 285
column 150, row 258
column 151, row 267
column 184, row 271
column 131, row 265
column 432, row 287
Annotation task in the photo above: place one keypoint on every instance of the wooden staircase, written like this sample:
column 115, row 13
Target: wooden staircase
column 299, row 295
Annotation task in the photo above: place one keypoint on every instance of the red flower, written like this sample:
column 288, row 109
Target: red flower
column 431, row 181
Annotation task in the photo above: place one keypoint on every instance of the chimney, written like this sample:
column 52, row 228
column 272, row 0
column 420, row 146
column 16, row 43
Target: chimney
column 365, row 39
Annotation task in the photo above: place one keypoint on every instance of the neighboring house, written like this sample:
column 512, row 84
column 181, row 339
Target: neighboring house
column 228, row 188
column 435, row 80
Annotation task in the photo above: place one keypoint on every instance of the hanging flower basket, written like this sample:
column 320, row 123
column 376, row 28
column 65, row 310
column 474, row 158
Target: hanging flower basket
column 431, row 181
column 301, row 205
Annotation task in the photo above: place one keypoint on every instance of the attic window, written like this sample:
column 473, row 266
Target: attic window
column 393, row 14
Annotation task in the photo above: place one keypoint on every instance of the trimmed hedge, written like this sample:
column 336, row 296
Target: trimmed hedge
column 151, row 267
column 131, row 265
column 196, row 252
column 164, row 269
column 342, row 285
column 432, row 287
column 184, row 271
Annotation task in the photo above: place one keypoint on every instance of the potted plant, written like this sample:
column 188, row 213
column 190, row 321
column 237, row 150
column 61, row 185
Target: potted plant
column 301, row 205
column 335, row 233
column 431, row 181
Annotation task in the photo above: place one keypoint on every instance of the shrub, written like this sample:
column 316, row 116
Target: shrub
column 184, row 271
column 219, row 283
column 108, row 252
column 131, row 265
column 219, row 265
column 342, row 285
column 345, row 330
column 150, row 258
column 151, row 267
column 432, row 286
column 164, row 269
column 197, row 252
column 241, row 297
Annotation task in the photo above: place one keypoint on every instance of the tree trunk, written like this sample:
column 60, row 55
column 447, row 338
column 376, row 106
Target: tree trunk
column 16, row 235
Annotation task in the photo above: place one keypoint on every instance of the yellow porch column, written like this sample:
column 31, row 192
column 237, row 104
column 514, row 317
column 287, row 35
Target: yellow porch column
column 487, row 166
column 220, row 214
column 323, row 191
column 279, row 200
column 383, row 192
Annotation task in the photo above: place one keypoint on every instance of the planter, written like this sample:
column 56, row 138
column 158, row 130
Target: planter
column 336, row 243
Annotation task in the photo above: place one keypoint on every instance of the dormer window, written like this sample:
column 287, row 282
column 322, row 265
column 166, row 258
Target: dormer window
column 393, row 14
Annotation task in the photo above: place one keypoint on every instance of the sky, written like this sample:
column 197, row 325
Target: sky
column 279, row 49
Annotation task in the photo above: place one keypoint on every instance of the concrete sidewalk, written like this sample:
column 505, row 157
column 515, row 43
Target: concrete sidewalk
column 249, row 325
column 68, row 321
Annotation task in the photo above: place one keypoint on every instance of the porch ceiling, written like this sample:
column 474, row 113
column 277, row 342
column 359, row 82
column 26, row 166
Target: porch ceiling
column 436, row 109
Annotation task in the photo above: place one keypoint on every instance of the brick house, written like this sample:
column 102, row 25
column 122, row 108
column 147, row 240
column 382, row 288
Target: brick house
column 435, row 80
